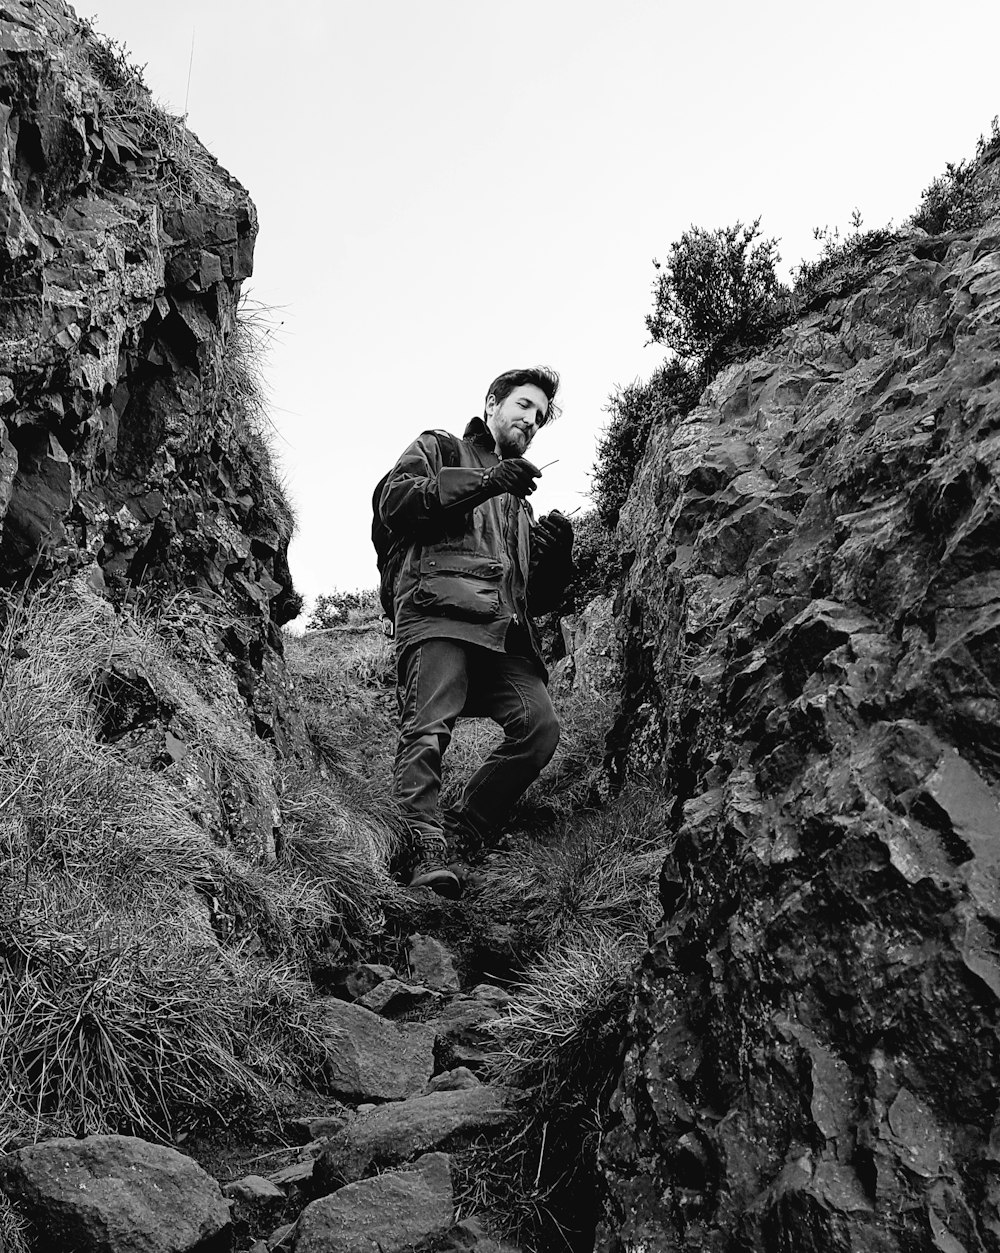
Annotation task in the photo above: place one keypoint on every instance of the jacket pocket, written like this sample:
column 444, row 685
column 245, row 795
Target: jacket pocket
column 459, row 585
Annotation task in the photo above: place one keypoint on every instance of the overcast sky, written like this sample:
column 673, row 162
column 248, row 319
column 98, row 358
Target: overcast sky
column 450, row 188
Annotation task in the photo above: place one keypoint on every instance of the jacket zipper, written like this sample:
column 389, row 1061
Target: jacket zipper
column 512, row 552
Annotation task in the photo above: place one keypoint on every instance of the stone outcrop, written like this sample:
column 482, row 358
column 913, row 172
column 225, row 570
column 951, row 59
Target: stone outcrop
column 104, row 1194
column 129, row 412
column 592, row 661
column 810, row 630
column 122, row 250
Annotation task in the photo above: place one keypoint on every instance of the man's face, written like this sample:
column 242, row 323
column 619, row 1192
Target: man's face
column 514, row 420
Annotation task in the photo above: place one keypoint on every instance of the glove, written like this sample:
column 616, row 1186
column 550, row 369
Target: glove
column 553, row 533
column 515, row 475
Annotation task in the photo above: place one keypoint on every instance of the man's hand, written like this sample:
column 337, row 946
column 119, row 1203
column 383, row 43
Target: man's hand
column 515, row 475
column 553, row 533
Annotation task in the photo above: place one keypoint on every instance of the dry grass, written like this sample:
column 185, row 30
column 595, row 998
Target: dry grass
column 154, row 975
column 345, row 681
column 596, row 873
column 339, row 850
column 14, row 1231
column 571, row 781
column 239, row 410
column 139, row 136
column 581, row 906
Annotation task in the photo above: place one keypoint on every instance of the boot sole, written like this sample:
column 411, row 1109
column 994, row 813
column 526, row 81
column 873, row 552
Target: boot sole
column 441, row 881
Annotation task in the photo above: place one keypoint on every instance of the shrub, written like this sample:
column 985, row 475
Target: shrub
column 338, row 608
column 952, row 202
column 596, row 568
column 634, row 412
column 844, row 263
column 717, row 297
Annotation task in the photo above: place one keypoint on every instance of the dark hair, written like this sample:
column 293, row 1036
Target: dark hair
column 537, row 376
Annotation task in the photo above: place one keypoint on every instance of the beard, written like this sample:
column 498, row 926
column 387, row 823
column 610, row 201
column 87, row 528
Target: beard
column 512, row 443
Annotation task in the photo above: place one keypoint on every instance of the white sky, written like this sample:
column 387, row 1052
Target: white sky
column 451, row 188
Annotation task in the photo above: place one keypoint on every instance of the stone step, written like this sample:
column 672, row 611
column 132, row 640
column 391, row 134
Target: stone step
column 369, row 1058
column 393, row 1212
column 393, row 1134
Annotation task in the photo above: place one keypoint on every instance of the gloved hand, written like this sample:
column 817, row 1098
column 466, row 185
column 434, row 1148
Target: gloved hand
column 553, row 533
column 515, row 475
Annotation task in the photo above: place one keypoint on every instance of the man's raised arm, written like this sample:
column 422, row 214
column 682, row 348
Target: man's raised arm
column 421, row 491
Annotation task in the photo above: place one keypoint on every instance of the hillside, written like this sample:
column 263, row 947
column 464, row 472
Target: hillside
column 730, row 980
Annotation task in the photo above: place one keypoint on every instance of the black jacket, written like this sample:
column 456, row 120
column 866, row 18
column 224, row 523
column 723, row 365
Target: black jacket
column 467, row 573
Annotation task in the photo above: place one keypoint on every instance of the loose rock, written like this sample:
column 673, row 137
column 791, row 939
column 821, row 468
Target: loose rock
column 370, row 1058
column 391, row 1213
column 398, row 1132
column 453, row 1080
column 104, row 1194
column 392, row 998
column 432, row 964
column 463, row 1036
column 256, row 1204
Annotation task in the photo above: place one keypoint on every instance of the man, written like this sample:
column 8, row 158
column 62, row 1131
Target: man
column 474, row 568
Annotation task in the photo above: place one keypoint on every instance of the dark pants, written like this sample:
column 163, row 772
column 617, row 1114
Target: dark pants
column 439, row 680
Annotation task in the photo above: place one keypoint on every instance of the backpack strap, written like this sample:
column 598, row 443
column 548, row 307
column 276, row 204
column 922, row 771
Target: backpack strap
column 396, row 546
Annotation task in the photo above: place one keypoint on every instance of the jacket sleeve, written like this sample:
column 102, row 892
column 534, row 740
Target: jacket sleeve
column 421, row 492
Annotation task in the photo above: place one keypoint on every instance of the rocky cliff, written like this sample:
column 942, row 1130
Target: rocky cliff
column 130, row 443
column 811, row 635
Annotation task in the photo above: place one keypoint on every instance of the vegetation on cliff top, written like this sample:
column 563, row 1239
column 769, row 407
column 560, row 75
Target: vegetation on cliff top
column 717, row 300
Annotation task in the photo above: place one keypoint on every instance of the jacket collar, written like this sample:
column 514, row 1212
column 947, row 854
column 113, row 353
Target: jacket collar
column 477, row 432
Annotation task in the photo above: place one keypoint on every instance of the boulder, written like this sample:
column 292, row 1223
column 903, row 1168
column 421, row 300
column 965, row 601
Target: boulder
column 432, row 964
column 396, row 1133
column 371, row 1059
column 391, row 1213
column 105, row 1194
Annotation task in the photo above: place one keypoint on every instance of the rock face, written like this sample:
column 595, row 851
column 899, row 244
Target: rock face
column 128, row 447
column 104, row 1194
column 811, row 635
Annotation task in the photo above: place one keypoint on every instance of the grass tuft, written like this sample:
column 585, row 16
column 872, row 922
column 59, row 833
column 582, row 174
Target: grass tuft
column 14, row 1230
column 577, row 910
column 139, row 137
column 156, row 975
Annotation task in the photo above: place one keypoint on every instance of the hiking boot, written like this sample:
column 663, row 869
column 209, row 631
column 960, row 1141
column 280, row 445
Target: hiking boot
column 431, row 869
